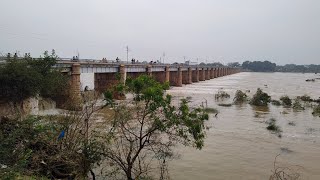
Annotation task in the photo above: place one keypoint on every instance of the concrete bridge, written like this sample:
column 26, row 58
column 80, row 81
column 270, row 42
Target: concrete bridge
column 106, row 75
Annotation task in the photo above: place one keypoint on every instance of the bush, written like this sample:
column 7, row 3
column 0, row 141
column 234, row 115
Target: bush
column 21, row 78
column 305, row 98
column 275, row 102
column 273, row 127
column 260, row 98
column 33, row 147
column 240, row 97
column 221, row 95
column 297, row 105
column 286, row 101
column 316, row 111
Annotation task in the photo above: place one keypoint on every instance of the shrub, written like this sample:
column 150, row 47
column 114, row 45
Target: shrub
column 286, row 101
column 316, row 111
column 37, row 147
column 305, row 98
column 297, row 105
column 275, row 102
column 221, row 95
column 273, row 127
column 240, row 97
column 260, row 98
column 21, row 78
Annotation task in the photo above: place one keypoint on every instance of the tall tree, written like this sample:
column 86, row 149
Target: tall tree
column 147, row 127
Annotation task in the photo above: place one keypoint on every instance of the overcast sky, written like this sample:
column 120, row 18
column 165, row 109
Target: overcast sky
column 282, row 31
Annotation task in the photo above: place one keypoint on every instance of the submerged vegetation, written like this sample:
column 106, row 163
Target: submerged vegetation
column 275, row 102
column 260, row 98
column 305, row 98
column 286, row 101
column 210, row 110
column 221, row 95
column 316, row 110
column 240, row 97
column 272, row 126
column 297, row 105
column 225, row 104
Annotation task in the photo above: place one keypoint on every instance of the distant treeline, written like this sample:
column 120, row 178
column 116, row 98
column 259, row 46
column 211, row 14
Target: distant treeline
column 267, row 66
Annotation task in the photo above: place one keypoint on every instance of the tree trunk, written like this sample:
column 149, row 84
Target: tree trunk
column 129, row 173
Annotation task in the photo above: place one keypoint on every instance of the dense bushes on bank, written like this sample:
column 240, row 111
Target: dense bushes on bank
column 21, row 78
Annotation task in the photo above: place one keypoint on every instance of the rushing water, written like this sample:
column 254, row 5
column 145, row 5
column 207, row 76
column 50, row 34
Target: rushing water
column 238, row 145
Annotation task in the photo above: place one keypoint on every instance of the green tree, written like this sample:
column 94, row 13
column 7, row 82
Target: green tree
column 148, row 126
column 21, row 78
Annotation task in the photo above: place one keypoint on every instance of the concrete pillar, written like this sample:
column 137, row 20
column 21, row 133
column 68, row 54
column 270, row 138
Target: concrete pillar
column 189, row 75
column 167, row 69
column 207, row 74
column 75, row 96
column 211, row 73
column 149, row 70
column 123, row 74
column 179, row 78
column 198, row 74
column 202, row 75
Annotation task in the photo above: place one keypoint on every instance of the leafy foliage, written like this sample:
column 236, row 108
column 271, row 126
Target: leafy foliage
column 21, row 78
column 148, row 126
column 259, row 66
column 260, row 98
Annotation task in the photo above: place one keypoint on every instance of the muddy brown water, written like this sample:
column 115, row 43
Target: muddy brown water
column 238, row 145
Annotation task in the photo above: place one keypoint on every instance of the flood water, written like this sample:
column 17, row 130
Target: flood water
column 238, row 145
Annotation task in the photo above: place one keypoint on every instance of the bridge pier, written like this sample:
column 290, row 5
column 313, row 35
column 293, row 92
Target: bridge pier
column 202, row 74
column 167, row 71
column 189, row 75
column 176, row 77
column 195, row 75
column 75, row 99
column 207, row 74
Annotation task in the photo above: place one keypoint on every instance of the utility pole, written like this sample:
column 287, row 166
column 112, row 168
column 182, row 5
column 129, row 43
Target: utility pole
column 164, row 55
column 127, row 48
